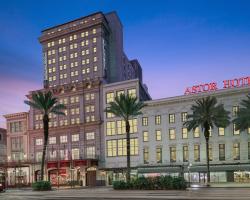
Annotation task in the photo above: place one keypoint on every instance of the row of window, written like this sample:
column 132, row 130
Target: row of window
column 75, row 99
column 66, row 155
column 72, row 55
column 110, row 96
column 64, row 122
column 64, row 138
column 72, row 46
column 196, row 133
column 72, row 37
column 171, row 117
column 196, row 149
column 16, row 126
column 119, row 147
column 72, row 74
column 119, row 127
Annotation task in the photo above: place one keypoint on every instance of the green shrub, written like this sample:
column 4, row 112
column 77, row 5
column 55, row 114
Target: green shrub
column 166, row 182
column 120, row 185
column 179, row 183
column 152, row 183
column 41, row 186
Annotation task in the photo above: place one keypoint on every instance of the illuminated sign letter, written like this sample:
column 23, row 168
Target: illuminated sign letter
column 187, row 91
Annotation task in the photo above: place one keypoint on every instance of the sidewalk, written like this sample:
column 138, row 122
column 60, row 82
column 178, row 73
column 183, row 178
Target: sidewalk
column 222, row 185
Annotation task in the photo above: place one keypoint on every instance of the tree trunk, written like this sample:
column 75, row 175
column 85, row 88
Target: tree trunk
column 207, row 152
column 128, row 150
column 46, row 134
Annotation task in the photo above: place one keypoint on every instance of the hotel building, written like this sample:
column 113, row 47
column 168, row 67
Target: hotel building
column 80, row 57
column 85, row 67
column 164, row 146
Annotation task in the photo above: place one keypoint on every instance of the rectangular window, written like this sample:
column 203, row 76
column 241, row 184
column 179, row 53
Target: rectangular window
column 221, row 131
column 196, row 153
column 111, row 148
column 90, row 136
column 184, row 116
column 172, row 154
column 172, row 135
column 39, row 156
column 17, row 143
column 234, row 130
column 16, row 127
column 64, row 154
column 110, row 128
column 91, row 152
column 75, row 138
column 134, row 146
column 121, row 127
column 39, row 141
column 184, row 133
column 197, row 132
column 109, row 115
column 52, row 140
column 52, row 154
column 210, row 152
column 185, row 153
column 159, row 155
column 132, row 92
column 158, row 119
column 145, row 136
column 144, row 121
column 171, row 118
column 133, row 125
column 110, row 97
column 122, row 147
column 75, row 154
column 118, row 93
column 221, row 152
column 145, row 155
column 63, row 139
column 158, row 135
column 235, row 111
column 236, row 151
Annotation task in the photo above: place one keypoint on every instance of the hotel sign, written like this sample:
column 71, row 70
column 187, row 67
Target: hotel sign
column 227, row 84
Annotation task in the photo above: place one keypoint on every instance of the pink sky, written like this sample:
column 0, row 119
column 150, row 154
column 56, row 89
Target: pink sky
column 13, row 93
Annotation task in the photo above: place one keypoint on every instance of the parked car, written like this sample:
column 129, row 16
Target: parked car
column 2, row 181
column 1, row 187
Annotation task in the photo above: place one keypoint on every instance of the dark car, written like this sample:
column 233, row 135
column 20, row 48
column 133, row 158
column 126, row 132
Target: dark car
column 2, row 181
column 1, row 187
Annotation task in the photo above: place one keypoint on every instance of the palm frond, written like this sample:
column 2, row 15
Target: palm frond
column 207, row 114
column 125, row 106
column 242, row 121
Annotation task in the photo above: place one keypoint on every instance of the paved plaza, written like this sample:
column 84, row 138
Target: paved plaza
column 108, row 193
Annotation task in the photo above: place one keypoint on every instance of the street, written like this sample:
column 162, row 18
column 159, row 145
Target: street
column 108, row 193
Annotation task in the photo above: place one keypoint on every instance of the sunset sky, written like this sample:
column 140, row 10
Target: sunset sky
column 178, row 43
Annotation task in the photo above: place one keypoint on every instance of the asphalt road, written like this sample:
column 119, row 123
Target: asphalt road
column 109, row 193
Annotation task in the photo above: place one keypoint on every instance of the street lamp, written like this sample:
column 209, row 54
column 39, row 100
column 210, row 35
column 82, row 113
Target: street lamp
column 189, row 175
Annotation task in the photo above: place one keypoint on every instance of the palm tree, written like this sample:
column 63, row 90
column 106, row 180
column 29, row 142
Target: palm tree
column 126, row 107
column 242, row 120
column 45, row 103
column 206, row 113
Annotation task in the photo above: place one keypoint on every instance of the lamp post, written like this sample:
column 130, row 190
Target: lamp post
column 189, row 175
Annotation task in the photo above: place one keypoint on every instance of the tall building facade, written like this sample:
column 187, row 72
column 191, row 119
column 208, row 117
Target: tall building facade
column 80, row 58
